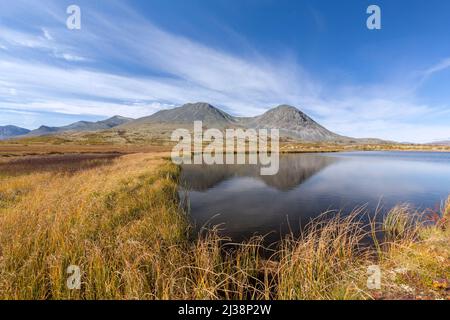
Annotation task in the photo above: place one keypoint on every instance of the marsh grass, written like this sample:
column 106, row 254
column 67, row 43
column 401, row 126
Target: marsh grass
column 122, row 224
column 59, row 163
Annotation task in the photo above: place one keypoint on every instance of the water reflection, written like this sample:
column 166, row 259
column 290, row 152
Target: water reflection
column 294, row 170
column 246, row 203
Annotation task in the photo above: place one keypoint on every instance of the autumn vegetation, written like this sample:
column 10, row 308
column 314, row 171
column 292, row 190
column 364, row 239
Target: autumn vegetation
column 117, row 215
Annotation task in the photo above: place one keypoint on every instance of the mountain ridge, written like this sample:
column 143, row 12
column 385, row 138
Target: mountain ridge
column 10, row 131
column 440, row 143
column 291, row 122
column 80, row 126
column 187, row 113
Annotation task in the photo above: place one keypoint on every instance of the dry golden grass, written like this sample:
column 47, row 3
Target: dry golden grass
column 296, row 147
column 157, row 139
column 121, row 223
column 9, row 149
column 105, row 220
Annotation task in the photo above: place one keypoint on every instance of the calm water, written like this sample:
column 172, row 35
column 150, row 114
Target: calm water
column 246, row 203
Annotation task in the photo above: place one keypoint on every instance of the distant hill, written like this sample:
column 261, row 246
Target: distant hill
column 440, row 143
column 7, row 132
column 187, row 114
column 43, row 130
column 292, row 122
column 80, row 126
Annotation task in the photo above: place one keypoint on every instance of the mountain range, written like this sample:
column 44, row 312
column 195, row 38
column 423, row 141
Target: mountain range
column 8, row 132
column 291, row 122
column 441, row 143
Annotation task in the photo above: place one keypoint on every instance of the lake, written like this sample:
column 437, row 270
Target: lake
column 245, row 203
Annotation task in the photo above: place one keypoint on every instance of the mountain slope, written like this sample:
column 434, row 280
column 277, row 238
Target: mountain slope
column 7, row 132
column 81, row 126
column 440, row 143
column 42, row 130
column 290, row 121
column 187, row 114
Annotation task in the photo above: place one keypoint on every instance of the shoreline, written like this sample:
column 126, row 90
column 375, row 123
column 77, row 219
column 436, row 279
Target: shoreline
column 11, row 150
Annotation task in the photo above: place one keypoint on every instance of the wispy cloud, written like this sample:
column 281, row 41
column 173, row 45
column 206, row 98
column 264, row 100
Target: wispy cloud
column 15, row 38
column 47, row 34
column 443, row 65
column 52, row 69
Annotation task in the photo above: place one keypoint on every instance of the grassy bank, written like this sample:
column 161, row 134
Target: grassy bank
column 119, row 220
column 128, row 143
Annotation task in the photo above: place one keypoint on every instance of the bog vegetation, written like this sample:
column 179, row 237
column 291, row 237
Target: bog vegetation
column 119, row 220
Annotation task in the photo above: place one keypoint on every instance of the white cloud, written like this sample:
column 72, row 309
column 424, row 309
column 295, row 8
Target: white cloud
column 444, row 64
column 77, row 107
column 47, row 34
column 176, row 70
column 22, row 39
column 37, row 41
column 70, row 57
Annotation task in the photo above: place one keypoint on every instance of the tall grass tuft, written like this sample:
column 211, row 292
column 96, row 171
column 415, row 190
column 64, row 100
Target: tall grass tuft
column 326, row 262
column 401, row 223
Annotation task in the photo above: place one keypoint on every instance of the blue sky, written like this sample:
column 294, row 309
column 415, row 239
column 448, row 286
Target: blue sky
column 134, row 58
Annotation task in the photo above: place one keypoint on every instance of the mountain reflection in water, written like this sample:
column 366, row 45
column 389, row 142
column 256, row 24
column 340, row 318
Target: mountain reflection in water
column 244, row 203
column 294, row 170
